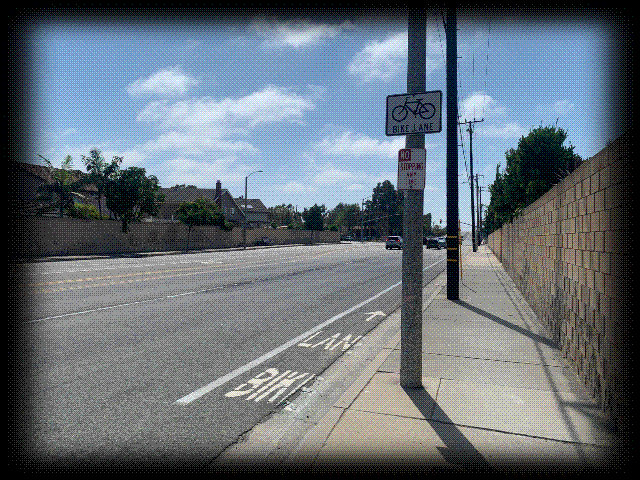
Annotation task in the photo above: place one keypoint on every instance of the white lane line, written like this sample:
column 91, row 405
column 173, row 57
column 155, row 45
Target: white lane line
column 122, row 305
column 245, row 368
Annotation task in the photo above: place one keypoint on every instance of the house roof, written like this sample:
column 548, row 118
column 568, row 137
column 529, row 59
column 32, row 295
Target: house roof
column 253, row 204
column 44, row 173
column 189, row 194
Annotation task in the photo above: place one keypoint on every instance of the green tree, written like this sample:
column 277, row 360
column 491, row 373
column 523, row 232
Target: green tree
column 313, row 218
column 85, row 211
column 386, row 209
column 201, row 212
column 540, row 161
column 130, row 194
column 59, row 195
column 344, row 216
column 100, row 172
column 427, row 230
column 281, row 214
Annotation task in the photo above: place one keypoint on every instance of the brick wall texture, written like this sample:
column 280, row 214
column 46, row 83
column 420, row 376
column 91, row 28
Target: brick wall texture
column 568, row 253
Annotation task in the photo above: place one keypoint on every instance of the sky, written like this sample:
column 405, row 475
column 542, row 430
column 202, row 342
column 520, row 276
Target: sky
column 303, row 98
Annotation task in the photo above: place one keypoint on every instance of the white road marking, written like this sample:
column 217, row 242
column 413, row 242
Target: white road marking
column 245, row 368
column 123, row 305
column 373, row 315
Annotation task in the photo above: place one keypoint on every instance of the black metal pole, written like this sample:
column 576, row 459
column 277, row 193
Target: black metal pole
column 453, row 267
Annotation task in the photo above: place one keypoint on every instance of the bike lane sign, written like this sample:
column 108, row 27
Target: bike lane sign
column 411, row 113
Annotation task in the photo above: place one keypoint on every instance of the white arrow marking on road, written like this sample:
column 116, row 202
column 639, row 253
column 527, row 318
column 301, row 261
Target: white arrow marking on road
column 373, row 315
column 245, row 368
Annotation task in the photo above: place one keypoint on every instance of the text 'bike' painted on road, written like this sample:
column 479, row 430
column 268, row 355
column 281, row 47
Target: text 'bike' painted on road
column 271, row 385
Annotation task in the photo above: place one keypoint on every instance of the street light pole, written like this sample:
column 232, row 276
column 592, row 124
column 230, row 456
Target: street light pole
column 244, row 229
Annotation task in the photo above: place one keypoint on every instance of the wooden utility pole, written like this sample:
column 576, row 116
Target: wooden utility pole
column 473, row 216
column 479, row 199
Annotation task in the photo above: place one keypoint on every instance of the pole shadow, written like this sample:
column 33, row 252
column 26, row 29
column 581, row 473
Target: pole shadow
column 458, row 450
column 527, row 333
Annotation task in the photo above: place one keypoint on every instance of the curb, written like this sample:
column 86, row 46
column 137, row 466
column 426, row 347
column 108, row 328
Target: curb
column 63, row 258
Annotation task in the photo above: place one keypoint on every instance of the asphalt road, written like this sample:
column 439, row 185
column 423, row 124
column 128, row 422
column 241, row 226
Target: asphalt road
column 172, row 358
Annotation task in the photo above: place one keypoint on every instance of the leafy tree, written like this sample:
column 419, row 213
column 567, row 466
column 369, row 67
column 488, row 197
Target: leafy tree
column 130, row 194
column 201, row 212
column 426, row 228
column 100, row 172
column 386, row 208
column 313, row 218
column 344, row 216
column 59, row 195
column 538, row 163
column 84, row 211
column 281, row 214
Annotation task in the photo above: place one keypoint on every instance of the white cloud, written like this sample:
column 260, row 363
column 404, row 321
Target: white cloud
column 354, row 145
column 387, row 59
column 480, row 105
column 505, row 131
column 331, row 175
column 170, row 82
column 271, row 104
column 296, row 187
column 381, row 60
column 295, row 34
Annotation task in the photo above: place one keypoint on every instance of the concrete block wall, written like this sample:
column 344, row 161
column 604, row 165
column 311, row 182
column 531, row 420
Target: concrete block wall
column 569, row 254
column 50, row 236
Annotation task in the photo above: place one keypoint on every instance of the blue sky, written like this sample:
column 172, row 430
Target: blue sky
column 304, row 100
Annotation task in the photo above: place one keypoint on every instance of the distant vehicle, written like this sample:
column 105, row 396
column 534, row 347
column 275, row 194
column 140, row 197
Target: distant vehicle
column 432, row 242
column 394, row 242
column 346, row 238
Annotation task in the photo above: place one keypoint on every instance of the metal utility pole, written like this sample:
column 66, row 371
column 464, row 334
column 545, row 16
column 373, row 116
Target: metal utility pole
column 244, row 227
column 411, row 313
column 453, row 266
column 362, row 222
column 473, row 216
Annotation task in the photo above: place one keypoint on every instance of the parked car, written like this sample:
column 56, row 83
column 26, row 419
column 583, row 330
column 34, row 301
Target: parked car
column 432, row 242
column 443, row 242
column 394, row 242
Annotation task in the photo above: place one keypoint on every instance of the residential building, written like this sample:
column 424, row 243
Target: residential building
column 257, row 213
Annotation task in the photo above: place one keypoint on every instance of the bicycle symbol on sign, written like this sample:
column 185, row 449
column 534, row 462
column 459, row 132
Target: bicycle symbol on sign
column 425, row 110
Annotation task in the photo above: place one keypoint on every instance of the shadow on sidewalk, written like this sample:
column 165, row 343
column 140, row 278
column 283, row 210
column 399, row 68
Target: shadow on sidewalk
column 458, row 451
column 505, row 323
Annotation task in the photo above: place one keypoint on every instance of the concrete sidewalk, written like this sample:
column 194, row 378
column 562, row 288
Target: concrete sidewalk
column 497, row 395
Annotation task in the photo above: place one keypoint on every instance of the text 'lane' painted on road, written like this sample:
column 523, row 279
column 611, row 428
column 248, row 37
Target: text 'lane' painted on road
column 328, row 343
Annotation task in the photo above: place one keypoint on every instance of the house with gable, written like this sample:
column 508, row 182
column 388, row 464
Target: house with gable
column 232, row 208
column 257, row 213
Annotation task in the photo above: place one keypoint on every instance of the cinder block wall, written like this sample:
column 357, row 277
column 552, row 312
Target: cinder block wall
column 48, row 236
column 569, row 254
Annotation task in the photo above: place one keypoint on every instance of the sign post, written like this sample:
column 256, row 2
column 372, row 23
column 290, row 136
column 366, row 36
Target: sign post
column 413, row 114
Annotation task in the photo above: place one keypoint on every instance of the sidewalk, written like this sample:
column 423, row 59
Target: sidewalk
column 497, row 396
